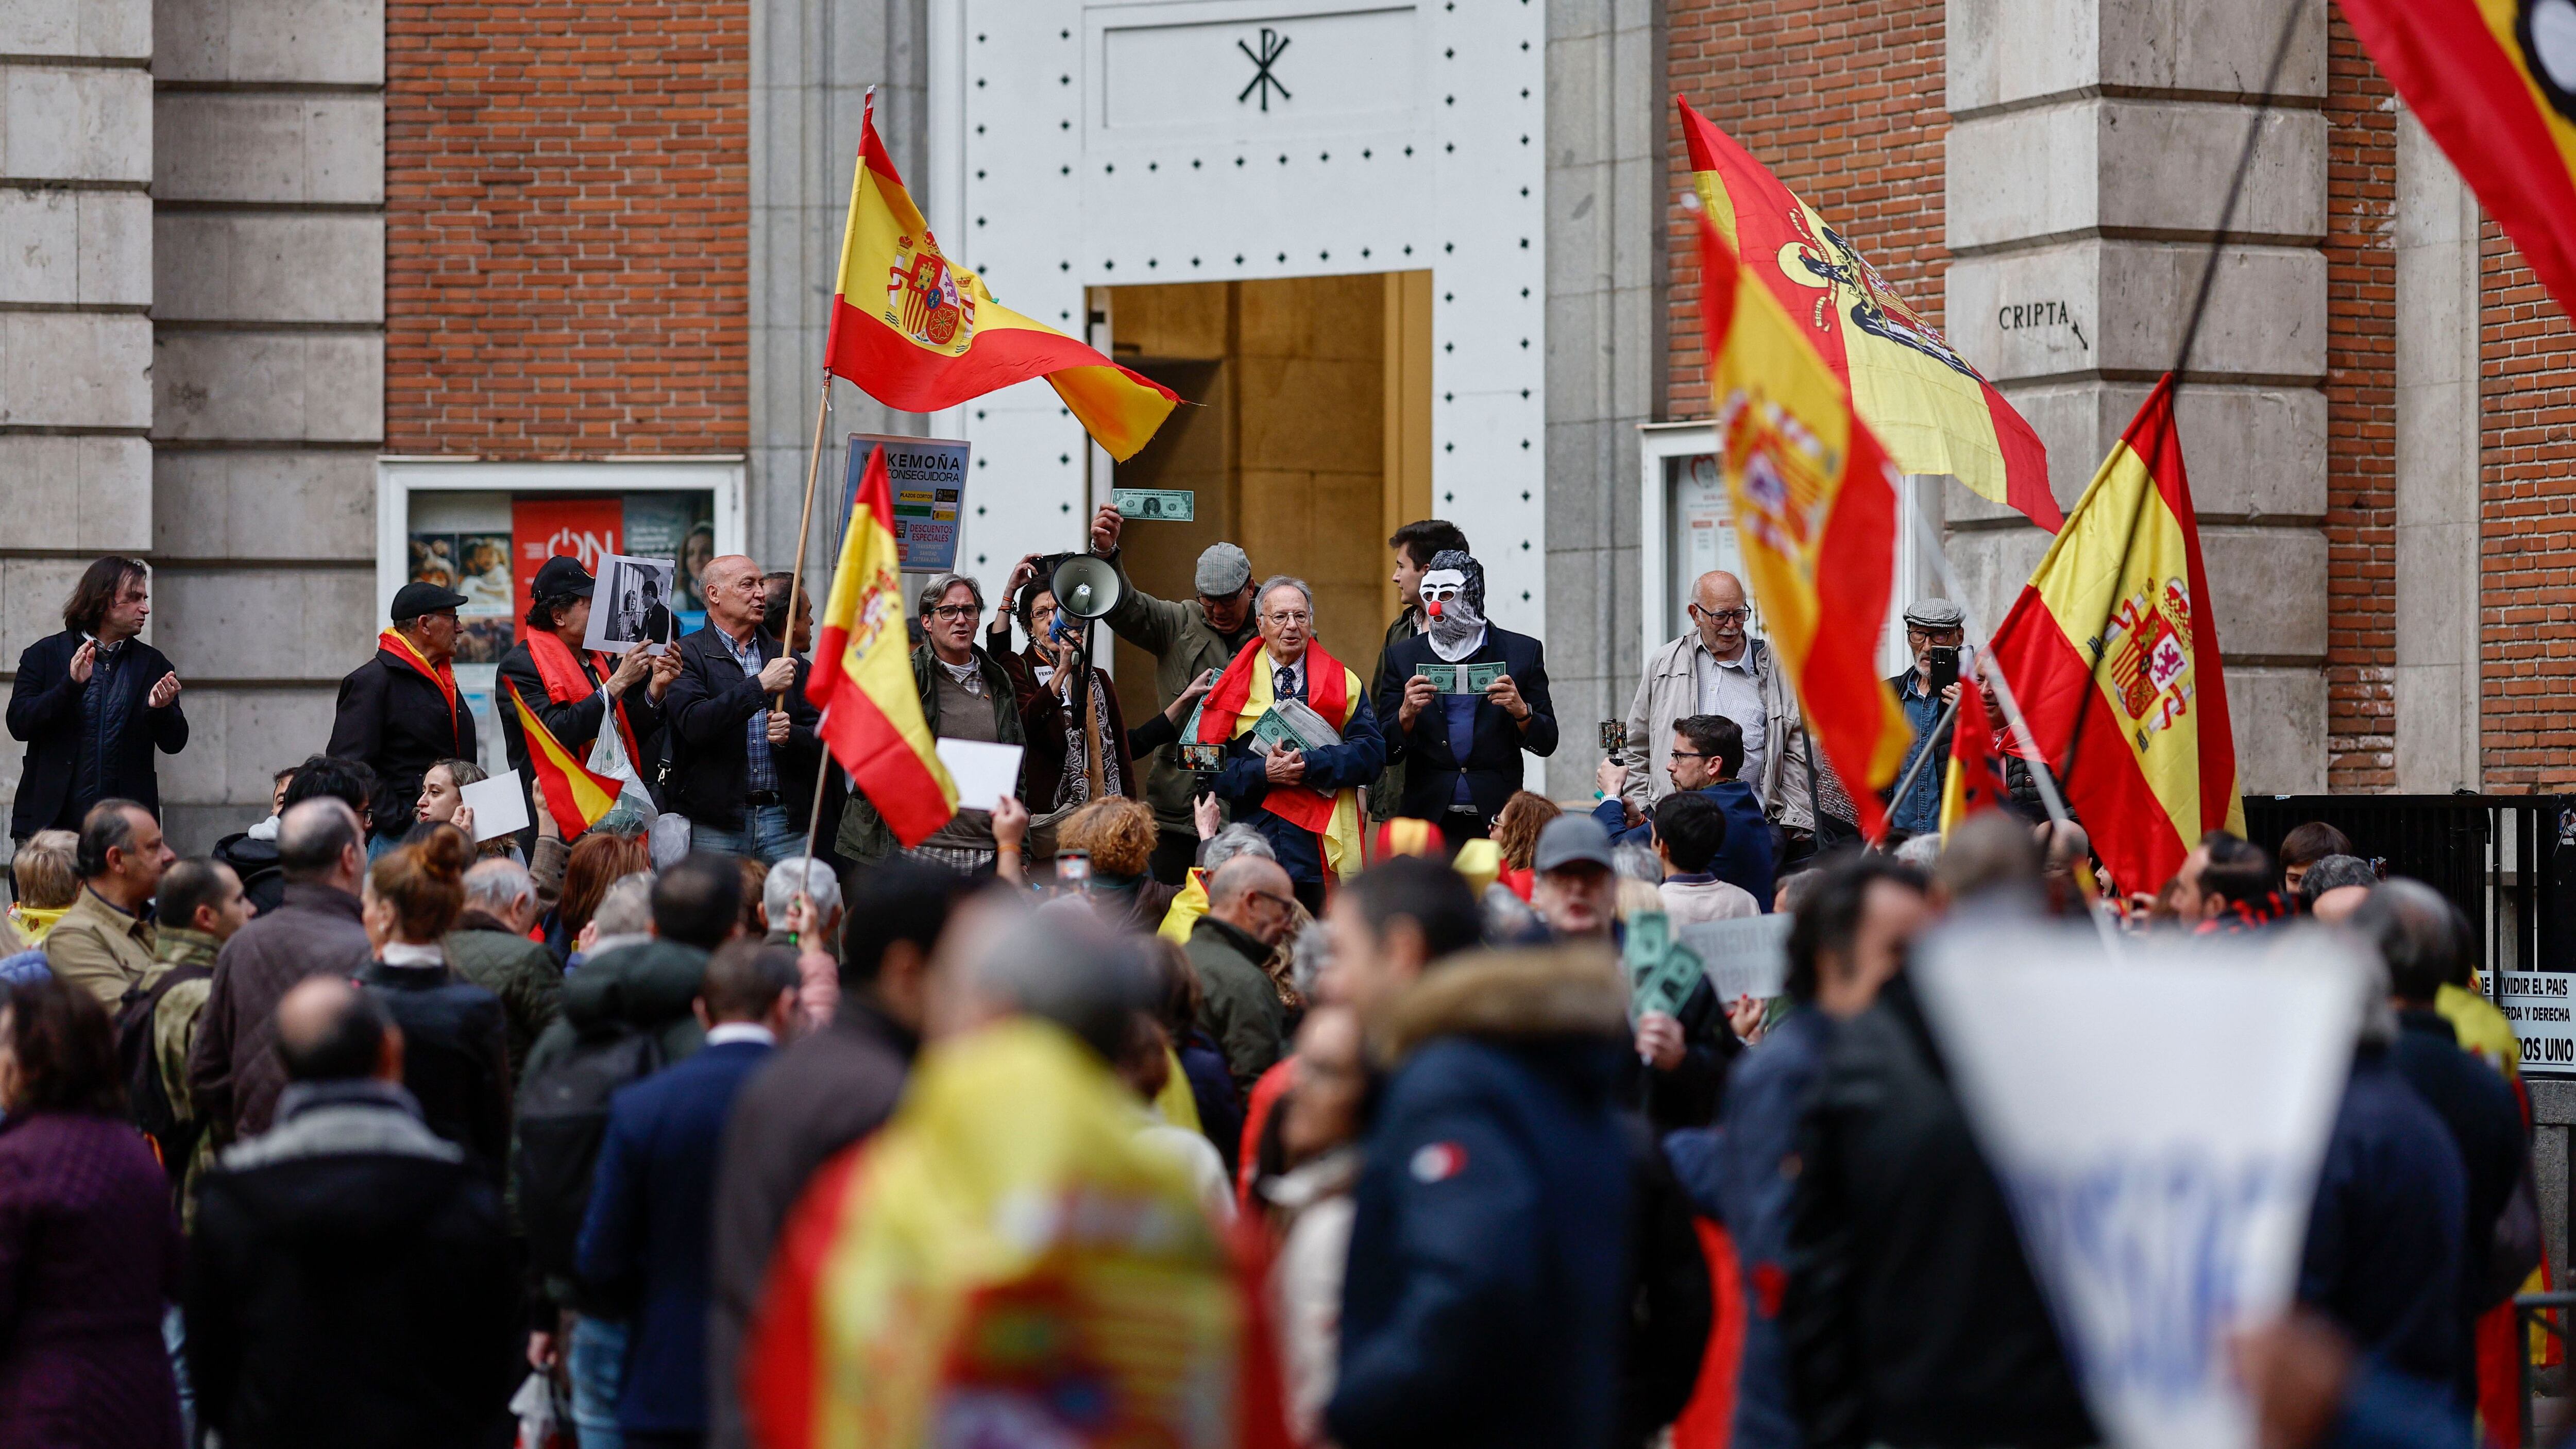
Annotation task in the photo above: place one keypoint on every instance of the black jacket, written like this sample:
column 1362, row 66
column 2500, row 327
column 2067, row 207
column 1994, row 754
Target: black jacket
column 45, row 711
column 705, row 714
column 575, row 724
column 397, row 720
column 456, row 1058
column 1911, row 1316
column 1493, row 763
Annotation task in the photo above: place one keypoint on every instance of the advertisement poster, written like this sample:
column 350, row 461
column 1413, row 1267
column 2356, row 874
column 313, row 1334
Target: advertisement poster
column 674, row 526
column 476, row 565
column 929, row 478
column 584, row 529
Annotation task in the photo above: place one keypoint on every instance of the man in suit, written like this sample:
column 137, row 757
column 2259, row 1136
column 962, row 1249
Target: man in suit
column 742, row 763
column 657, row 617
column 92, row 703
column 401, row 711
column 1415, row 545
column 1462, row 752
column 648, row 1235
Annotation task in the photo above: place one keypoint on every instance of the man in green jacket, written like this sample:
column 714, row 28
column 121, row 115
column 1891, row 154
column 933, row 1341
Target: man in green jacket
column 490, row 947
column 1251, row 905
column 966, row 694
column 1186, row 640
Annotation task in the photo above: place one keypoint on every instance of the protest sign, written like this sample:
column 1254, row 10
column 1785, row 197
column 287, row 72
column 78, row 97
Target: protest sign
column 1744, row 957
column 2157, row 1122
column 499, row 803
column 928, row 476
column 984, row 772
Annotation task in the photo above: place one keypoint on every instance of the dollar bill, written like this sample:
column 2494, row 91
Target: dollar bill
column 1162, row 505
column 1481, row 677
column 1443, row 677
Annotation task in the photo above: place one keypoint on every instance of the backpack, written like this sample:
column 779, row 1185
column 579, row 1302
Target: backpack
column 563, row 1120
column 147, row 1099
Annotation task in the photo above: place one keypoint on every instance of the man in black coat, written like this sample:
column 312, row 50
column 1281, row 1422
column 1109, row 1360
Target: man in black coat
column 92, row 703
column 1461, row 751
column 560, row 680
column 742, row 767
column 401, row 712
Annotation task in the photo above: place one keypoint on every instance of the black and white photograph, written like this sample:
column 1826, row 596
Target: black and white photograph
column 632, row 605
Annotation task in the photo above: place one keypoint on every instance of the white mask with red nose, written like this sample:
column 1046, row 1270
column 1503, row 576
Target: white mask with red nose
column 1453, row 600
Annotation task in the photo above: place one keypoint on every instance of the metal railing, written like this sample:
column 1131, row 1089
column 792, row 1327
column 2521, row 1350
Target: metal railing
column 2544, row 1312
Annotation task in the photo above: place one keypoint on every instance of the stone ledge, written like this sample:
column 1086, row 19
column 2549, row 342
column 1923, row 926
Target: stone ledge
column 2097, row 163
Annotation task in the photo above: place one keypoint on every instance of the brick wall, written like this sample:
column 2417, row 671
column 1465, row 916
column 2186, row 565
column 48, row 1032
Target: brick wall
column 2361, row 417
column 1847, row 105
column 2527, row 381
column 566, row 203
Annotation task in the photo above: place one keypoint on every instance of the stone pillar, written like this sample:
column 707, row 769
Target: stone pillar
column 2089, row 156
column 1606, row 212
column 268, row 253
column 75, row 300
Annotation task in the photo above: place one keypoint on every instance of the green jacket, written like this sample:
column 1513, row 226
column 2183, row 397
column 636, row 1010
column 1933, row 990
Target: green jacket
column 1239, row 1005
column 648, row 985
column 515, row 969
column 174, row 1033
column 1390, row 781
column 1184, row 646
column 863, row 836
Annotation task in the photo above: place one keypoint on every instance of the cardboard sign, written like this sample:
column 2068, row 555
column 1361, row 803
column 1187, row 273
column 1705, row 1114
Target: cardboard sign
column 984, row 773
column 929, row 478
column 1747, row 957
column 2157, row 1122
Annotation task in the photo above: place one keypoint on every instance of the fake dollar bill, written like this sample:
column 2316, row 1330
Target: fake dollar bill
column 1164, row 505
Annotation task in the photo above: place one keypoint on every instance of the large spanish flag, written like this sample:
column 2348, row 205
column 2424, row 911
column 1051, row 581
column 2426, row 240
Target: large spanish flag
column 1810, row 486
column 920, row 333
column 2113, row 657
column 2494, row 81
column 576, row 795
column 1932, row 411
column 862, row 675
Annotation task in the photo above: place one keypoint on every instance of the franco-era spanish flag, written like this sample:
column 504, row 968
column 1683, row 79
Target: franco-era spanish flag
column 2494, row 81
column 862, row 676
column 576, row 795
column 1930, row 409
column 1815, row 509
column 919, row 332
column 2113, row 656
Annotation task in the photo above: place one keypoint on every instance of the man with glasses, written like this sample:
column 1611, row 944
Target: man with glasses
column 1929, row 624
column 401, row 711
column 966, row 694
column 742, row 759
column 1250, row 910
column 1720, row 668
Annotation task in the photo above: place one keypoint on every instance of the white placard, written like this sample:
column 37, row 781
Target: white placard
column 500, row 805
column 2157, row 1123
column 631, row 605
column 984, row 773
column 1748, row 956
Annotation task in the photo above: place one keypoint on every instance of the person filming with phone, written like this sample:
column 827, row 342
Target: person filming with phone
column 1934, row 629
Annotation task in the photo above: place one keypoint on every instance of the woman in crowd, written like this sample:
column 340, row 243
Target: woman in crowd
column 455, row 1034
column 442, row 802
column 1118, row 834
column 1516, row 828
column 596, row 860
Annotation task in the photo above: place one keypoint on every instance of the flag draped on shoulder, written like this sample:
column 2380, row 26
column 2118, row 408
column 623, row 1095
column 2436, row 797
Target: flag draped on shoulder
column 2113, row 656
column 1932, row 411
column 2494, row 81
column 862, row 675
column 919, row 332
column 1236, row 703
column 577, row 796
column 1809, row 485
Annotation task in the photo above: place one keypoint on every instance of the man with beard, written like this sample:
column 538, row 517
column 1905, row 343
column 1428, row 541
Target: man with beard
column 1461, row 746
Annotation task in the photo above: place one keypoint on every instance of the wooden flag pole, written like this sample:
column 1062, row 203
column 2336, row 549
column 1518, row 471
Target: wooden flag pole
column 804, row 527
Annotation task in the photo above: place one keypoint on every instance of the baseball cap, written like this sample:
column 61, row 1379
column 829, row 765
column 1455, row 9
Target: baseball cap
column 415, row 599
column 1223, row 570
column 1569, row 839
column 1934, row 614
column 563, row 577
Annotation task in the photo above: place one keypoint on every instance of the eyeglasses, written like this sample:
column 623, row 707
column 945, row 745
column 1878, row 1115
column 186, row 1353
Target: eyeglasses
column 1935, row 636
column 1721, row 616
column 955, row 611
column 1290, row 616
column 1691, row 755
column 1285, row 903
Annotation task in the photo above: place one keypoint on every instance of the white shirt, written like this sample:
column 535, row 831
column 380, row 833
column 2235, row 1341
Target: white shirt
column 1728, row 687
column 725, row 1031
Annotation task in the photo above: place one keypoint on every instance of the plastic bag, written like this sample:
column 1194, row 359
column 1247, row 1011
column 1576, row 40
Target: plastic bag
column 634, row 808
column 543, row 1420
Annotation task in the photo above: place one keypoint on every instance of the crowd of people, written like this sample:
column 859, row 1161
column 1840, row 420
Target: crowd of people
column 358, row 1130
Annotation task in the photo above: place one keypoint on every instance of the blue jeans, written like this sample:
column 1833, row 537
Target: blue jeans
column 766, row 836
column 174, row 1336
column 596, row 1364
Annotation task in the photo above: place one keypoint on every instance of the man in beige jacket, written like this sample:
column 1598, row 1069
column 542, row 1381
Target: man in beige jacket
column 103, row 943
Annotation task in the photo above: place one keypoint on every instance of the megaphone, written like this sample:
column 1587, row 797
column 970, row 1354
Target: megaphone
column 1086, row 587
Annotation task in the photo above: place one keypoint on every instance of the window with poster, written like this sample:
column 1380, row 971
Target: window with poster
column 483, row 529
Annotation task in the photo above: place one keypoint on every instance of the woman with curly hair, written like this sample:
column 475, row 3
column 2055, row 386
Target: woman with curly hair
column 1118, row 834
column 1516, row 828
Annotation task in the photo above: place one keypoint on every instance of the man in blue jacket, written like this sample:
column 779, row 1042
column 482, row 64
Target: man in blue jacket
column 652, row 1204
column 1707, row 753
column 1288, row 662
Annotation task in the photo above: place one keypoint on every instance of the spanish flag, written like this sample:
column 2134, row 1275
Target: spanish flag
column 1975, row 780
column 1932, row 411
column 862, row 675
column 1809, row 484
column 2494, row 81
column 575, row 794
column 2113, row 656
column 919, row 332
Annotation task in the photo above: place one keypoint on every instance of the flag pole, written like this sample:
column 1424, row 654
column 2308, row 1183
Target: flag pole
column 805, row 523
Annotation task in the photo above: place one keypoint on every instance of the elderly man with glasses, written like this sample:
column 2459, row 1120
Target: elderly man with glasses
column 1929, row 624
column 1719, row 668
column 966, row 694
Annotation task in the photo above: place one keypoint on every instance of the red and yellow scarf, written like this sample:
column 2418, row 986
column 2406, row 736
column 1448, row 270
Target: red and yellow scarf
column 561, row 673
column 442, row 674
column 1242, row 695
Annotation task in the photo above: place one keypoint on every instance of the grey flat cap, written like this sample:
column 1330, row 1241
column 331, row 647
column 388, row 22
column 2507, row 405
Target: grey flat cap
column 1223, row 571
column 1569, row 839
column 1934, row 614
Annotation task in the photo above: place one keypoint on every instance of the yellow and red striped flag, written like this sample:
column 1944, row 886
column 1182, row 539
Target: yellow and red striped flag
column 2113, row 655
column 1933, row 412
column 2494, row 81
column 1975, row 780
column 862, row 675
column 1808, row 483
column 575, row 794
column 919, row 332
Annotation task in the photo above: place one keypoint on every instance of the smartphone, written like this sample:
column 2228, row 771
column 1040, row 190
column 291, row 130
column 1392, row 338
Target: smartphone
column 1202, row 759
column 1073, row 870
column 1614, row 736
column 1945, row 668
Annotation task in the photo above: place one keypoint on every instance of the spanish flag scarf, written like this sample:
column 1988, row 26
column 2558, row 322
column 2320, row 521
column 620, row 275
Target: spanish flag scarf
column 561, row 673
column 1237, row 703
column 442, row 674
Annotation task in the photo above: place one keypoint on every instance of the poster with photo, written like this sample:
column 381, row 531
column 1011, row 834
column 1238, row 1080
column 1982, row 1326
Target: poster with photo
column 631, row 606
column 483, row 576
column 434, row 559
column 675, row 526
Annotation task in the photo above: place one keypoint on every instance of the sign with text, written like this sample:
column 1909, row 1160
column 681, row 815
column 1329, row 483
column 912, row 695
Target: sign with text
column 929, row 478
column 2540, row 1006
column 1744, row 957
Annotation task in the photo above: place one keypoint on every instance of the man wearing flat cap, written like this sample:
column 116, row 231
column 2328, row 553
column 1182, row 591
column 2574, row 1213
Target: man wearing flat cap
column 1186, row 640
column 560, row 680
column 1929, row 624
column 401, row 712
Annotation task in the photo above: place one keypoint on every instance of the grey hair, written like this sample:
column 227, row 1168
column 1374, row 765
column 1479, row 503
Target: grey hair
column 1068, row 968
column 938, row 588
column 1920, row 851
column 1308, row 956
column 1232, row 841
column 626, row 907
column 2332, row 871
column 1638, row 862
column 1284, row 581
column 778, row 891
column 499, row 884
